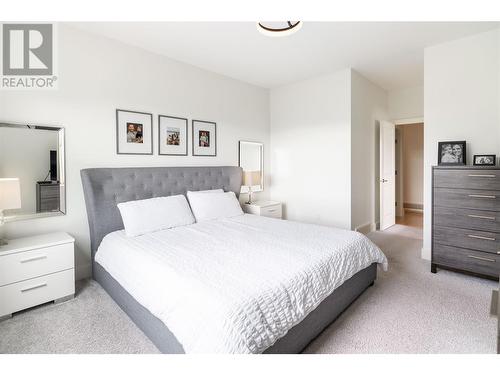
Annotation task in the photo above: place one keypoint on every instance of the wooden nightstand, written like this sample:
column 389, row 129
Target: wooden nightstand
column 35, row 270
column 264, row 208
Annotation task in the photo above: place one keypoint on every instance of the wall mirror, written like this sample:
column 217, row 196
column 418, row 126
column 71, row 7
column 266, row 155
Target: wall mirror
column 251, row 160
column 32, row 171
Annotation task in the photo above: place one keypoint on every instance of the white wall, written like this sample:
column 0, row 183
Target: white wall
column 98, row 75
column 368, row 108
column 324, row 140
column 25, row 154
column 413, row 163
column 462, row 85
column 406, row 103
column 311, row 149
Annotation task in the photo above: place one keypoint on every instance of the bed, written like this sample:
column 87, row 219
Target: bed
column 104, row 188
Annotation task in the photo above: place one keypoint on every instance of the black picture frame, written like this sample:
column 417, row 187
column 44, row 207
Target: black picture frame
column 492, row 160
column 194, row 140
column 451, row 146
column 160, row 138
column 118, row 132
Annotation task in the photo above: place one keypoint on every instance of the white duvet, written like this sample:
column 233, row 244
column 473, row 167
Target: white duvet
column 235, row 285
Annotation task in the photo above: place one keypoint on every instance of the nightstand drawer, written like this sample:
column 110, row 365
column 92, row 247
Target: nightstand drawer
column 271, row 211
column 33, row 263
column 20, row 296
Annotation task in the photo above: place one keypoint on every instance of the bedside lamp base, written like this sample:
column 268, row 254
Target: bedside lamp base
column 249, row 196
column 3, row 241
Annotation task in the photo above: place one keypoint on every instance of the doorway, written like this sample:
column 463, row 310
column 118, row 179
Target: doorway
column 401, row 180
column 409, row 154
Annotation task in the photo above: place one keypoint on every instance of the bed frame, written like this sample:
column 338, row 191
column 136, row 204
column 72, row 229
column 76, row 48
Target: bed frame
column 104, row 188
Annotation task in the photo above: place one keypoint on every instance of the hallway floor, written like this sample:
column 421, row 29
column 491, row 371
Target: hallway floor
column 411, row 219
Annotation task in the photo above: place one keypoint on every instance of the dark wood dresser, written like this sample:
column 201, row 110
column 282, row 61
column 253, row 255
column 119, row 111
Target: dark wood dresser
column 466, row 220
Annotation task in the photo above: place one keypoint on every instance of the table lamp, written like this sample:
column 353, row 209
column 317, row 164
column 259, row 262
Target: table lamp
column 251, row 178
column 10, row 198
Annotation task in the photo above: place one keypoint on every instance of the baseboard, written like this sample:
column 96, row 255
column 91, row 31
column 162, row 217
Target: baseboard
column 413, row 206
column 366, row 228
column 414, row 210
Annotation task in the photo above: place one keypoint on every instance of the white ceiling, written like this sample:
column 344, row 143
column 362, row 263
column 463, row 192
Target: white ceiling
column 391, row 54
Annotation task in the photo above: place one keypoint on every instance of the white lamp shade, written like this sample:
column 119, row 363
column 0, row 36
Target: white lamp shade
column 10, row 193
column 251, row 178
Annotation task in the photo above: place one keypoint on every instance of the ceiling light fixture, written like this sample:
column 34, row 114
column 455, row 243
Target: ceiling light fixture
column 279, row 28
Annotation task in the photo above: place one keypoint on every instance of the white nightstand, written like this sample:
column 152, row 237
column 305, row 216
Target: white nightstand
column 35, row 270
column 264, row 208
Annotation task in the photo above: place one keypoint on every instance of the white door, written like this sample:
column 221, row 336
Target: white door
column 387, row 174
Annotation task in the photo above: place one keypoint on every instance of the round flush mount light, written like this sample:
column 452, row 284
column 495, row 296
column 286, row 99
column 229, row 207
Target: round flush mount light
column 284, row 28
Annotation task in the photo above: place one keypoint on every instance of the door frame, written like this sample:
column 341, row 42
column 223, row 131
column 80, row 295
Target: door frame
column 408, row 121
column 399, row 179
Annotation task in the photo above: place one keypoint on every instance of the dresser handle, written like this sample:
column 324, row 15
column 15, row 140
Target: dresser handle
column 272, row 210
column 33, row 259
column 481, row 258
column 481, row 237
column 482, row 196
column 33, row 287
column 483, row 175
column 482, row 217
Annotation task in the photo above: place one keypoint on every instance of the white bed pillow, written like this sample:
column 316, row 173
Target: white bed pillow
column 213, row 206
column 151, row 215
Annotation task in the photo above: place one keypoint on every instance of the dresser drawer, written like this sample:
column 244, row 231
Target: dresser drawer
column 20, row 296
column 33, row 263
column 468, row 238
column 488, row 179
column 271, row 211
column 487, row 200
column 50, row 192
column 467, row 219
column 468, row 260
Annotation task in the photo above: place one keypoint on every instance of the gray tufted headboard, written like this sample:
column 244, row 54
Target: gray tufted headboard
column 104, row 188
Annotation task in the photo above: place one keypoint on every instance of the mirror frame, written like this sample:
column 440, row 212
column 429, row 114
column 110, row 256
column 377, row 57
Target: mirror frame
column 62, row 170
column 244, row 189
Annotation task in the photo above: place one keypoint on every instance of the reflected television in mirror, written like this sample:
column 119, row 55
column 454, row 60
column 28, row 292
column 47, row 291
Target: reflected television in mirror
column 34, row 155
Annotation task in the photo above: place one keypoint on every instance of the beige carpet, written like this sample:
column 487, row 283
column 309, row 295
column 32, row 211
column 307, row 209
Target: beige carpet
column 411, row 310
column 408, row 310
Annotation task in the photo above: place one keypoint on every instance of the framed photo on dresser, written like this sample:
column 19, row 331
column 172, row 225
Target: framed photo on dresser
column 172, row 135
column 485, row 160
column 204, row 138
column 134, row 132
column 452, row 153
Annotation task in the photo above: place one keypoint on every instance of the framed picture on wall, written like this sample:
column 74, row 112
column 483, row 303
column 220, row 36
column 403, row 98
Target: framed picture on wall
column 485, row 160
column 172, row 135
column 452, row 153
column 204, row 138
column 134, row 132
